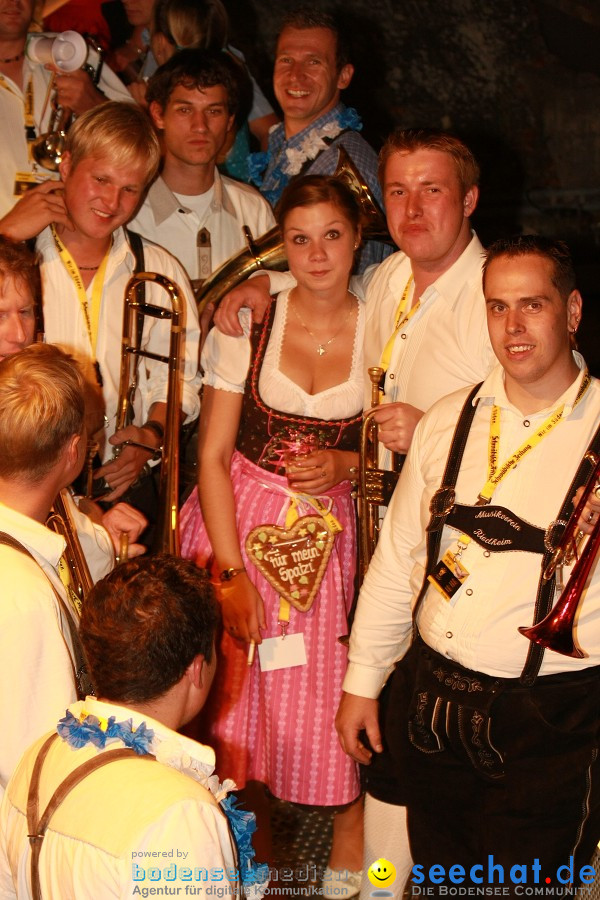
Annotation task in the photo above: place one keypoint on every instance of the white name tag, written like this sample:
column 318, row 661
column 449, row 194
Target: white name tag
column 282, row 653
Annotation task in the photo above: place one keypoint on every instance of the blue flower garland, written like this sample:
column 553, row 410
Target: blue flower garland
column 243, row 825
column 89, row 729
column 92, row 730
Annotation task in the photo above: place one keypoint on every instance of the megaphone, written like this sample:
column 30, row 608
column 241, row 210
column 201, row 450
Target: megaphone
column 67, row 51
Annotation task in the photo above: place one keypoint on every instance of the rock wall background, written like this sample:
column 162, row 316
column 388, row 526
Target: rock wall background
column 519, row 80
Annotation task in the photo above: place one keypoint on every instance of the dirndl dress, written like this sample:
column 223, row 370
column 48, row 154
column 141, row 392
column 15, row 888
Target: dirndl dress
column 277, row 727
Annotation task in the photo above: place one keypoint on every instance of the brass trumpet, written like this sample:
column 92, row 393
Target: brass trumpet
column 375, row 485
column 166, row 538
column 47, row 150
column 555, row 632
column 370, row 487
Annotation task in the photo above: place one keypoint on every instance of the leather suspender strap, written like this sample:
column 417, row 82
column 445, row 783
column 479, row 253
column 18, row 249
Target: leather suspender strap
column 545, row 592
column 443, row 499
column 36, row 824
column 83, row 685
column 137, row 248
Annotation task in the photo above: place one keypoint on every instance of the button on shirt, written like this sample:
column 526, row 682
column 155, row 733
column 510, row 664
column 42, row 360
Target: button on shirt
column 478, row 627
column 163, row 220
column 65, row 324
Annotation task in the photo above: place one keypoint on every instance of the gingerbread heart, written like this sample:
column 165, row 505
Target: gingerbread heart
column 294, row 559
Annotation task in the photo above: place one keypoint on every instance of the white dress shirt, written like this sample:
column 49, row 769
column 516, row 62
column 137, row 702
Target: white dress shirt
column 14, row 156
column 164, row 220
column 65, row 324
column 35, row 645
column 154, row 815
column 478, row 627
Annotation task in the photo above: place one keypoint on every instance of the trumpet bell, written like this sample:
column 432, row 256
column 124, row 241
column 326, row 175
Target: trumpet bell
column 554, row 633
column 49, row 148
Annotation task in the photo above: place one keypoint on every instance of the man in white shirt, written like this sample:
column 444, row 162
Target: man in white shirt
column 24, row 108
column 42, row 434
column 159, row 814
column 191, row 209
column 501, row 769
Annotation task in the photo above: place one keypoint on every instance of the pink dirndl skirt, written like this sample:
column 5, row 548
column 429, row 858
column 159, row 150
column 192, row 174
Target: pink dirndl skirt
column 278, row 727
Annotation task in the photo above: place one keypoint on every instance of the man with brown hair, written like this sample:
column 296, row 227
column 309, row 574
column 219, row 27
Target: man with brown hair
column 312, row 68
column 152, row 811
column 494, row 741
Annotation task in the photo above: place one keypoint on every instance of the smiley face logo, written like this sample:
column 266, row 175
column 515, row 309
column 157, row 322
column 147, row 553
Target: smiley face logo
column 382, row 873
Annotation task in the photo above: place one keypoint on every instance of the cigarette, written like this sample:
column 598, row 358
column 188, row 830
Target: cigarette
column 251, row 649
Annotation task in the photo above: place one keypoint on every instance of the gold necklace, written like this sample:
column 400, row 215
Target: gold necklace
column 321, row 345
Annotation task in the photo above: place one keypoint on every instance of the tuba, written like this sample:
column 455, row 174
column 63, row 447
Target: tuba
column 267, row 252
column 555, row 632
column 68, row 51
column 166, row 538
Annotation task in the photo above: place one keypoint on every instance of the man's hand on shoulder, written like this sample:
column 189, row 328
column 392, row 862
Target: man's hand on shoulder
column 39, row 207
column 253, row 294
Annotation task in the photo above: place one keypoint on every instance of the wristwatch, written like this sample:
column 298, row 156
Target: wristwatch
column 229, row 574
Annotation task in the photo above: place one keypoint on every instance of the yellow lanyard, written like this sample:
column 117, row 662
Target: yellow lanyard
column 495, row 474
column 91, row 315
column 401, row 318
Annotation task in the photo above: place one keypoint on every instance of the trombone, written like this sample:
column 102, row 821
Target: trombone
column 166, row 538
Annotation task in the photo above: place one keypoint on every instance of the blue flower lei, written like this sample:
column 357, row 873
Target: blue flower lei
column 77, row 732
column 243, row 825
column 259, row 162
column 89, row 729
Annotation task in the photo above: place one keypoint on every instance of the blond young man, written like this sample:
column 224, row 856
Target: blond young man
column 24, row 112
column 42, row 434
column 111, row 156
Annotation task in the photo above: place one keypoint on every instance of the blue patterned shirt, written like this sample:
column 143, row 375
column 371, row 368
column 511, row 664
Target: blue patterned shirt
column 362, row 154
